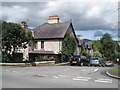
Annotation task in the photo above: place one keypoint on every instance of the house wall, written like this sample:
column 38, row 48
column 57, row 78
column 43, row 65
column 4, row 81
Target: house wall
column 50, row 45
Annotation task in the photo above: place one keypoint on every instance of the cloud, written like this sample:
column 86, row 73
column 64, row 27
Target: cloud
column 14, row 13
column 84, row 15
column 98, row 34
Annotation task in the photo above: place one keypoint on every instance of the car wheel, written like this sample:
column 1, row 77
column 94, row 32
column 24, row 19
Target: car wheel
column 103, row 65
column 78, row 64
column 71, row 64
column 81, row 64
column 99, row 65
column 89, row 65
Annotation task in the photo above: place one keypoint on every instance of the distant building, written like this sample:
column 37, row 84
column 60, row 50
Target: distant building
column 88, row 46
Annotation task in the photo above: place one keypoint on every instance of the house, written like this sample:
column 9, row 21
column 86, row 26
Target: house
column 48, row 39
column 88, row 46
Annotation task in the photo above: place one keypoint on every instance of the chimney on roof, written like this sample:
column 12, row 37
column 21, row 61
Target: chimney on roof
column 53, row 19
column 24, row 24
column 80, row 37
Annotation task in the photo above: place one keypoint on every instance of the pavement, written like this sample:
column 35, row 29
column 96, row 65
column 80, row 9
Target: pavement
column 57, row 77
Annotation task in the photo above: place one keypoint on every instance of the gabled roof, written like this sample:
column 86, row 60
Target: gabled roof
column 51, row 31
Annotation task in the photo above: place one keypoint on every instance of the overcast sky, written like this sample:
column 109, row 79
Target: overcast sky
column 89, row 15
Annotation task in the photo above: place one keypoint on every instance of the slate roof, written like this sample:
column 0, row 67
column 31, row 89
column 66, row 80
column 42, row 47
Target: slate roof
column 49, row 31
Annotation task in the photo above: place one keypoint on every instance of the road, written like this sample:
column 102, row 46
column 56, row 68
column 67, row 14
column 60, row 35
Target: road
column 57, row 77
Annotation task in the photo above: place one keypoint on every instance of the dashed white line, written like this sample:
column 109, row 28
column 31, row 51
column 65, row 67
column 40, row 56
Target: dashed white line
column 15, row 72
column 55, row 77
column 104, row 80
column 62, row 75
column 95, row 70
column 82, row 78
column 41, row 75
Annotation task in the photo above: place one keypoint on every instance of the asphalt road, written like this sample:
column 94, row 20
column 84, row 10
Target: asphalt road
column 57, row 77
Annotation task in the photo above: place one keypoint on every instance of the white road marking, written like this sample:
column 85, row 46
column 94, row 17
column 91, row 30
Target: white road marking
column 95, row 70
column 83, row 70
column 62, row 75
column 15, row 72
column 104, row 80
column 82, row 78
column 55, row 77
column 41, row 75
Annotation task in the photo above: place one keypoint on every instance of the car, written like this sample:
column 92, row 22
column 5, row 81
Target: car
column 79, row 60
column 109, row 63
column 96, row 61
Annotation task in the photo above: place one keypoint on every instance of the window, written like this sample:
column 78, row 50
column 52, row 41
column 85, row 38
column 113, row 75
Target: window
column 35, row 44
column 42, row 44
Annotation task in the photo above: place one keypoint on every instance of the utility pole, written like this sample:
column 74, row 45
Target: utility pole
column 119, row 22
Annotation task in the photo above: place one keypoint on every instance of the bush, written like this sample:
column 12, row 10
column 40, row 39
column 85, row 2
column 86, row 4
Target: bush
column 37, row 59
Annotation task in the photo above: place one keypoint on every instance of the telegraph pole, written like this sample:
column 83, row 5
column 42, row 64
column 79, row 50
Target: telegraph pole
column 119, row 22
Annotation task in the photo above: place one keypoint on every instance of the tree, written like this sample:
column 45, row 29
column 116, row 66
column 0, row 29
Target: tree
column 84, row 53
column 107, row 47
column 97, row 54
column 96, row 45
column 13, row 37
column 68, row 47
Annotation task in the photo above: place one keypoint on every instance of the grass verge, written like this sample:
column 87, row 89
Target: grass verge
column 114, row 70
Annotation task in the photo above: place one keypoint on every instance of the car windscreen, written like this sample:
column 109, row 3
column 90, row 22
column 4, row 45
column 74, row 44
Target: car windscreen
column 108, row 61
column 94, row 59
column 76, row 57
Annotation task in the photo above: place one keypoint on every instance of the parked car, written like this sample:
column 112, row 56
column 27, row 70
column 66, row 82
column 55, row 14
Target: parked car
column 96, row 61
column 109, row 63
column 79, row 60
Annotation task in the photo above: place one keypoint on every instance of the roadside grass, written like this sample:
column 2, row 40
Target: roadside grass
column 115, row 70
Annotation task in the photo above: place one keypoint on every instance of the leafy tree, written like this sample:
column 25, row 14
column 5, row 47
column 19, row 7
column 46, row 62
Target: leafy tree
column 96, row 45
column 117, row 46
column 97, row 54
column 13, row 37
column 68, row 47
column 107, row 47
column 84, row 53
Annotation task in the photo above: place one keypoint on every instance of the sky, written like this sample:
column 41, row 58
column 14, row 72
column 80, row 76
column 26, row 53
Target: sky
column 89, row 17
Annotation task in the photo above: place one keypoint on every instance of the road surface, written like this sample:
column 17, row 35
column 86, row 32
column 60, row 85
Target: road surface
column 57, row 77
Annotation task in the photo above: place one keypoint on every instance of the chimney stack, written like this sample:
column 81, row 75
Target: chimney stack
column 53, row 19
column 24, row 24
